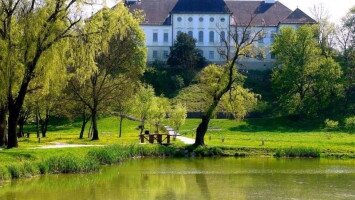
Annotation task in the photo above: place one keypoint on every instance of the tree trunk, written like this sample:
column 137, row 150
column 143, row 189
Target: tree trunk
column 44, row 124
column 12, row 126
column 95, row 133
column 21, row 123
column 37, row 123
column 121, row 121
column 201, row 131
column 83, row 125
column 2, row 125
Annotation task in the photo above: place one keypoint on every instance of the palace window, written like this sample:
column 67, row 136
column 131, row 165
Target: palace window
column 190, row 19
column 190, row 33
column 223, row 19
column 155, row 37
column 211, row 55
column 223, row 36
column 166, row 37
column 179, row 19
column 200, row 36
column 211, row 19
column 155, row 54
column 166, row 54
column 201, row 19
column 211, row 36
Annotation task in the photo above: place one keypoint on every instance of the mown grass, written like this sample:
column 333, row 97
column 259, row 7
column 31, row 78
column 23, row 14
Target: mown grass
column 265, row 136
column 278, row 137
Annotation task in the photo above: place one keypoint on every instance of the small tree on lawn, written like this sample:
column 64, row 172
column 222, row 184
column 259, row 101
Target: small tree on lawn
column 177, row 116
column 158, row 112
column 184, row 53
column 142, row 104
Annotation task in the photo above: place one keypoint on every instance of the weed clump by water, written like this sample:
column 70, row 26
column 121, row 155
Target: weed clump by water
column 301, row 152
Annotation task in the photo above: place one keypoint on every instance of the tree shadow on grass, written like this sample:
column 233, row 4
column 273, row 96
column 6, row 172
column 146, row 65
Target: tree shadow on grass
column 277, row 125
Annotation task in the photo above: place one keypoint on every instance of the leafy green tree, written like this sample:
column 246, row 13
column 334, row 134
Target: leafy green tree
column 305, row 82
column 34, row 37
column 178, row 114
column 226, row 77
column 111, row 54
column 142, row 104
column 158, row 112
column 346, row 41
column 184, row 53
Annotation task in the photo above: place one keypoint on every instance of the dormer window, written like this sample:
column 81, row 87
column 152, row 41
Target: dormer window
column 179, row 19
column 190, row 19
column 211, row 19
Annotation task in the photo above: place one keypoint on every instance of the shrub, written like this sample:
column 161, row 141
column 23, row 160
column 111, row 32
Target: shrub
column 349, row 123
column 15, row 170
column 4, row 173
column 300, row 152
column 207, row 152
column 64, row 164
column 30, row 169
column 330, row 125
column 43, row 167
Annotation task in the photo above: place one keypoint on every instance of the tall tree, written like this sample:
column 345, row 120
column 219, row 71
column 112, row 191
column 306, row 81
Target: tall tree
column 110, row 54
column 222, row 82
column 184, row 53
column 35, row 36
column 305, row 82
column 346, row 41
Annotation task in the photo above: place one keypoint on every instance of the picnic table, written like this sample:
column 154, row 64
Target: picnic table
column 158, row 137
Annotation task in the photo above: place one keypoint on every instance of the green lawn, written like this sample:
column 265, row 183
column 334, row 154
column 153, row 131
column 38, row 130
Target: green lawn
column 244, row 136
column 276, row 133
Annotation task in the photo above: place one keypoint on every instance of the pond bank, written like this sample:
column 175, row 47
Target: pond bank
column 90, row 159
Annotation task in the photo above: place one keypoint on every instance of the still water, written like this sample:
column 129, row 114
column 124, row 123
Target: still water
column 220, row 179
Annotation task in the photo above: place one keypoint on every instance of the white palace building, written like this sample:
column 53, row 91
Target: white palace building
column 208, row 21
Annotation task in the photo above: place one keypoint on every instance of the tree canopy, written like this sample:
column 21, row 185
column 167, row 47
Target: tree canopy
column 305, row 81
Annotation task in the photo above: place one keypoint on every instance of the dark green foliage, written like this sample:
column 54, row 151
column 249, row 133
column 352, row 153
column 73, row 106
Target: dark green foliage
column 299, row 152
column 305, row 82
column 169, row 81
column 184, row 53
column 203, row 151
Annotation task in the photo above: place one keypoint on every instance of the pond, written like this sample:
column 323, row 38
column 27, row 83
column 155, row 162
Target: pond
column 220, row 178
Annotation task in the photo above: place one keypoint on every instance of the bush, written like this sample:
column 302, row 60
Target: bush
column 15, row 170
column 64, row 164
column 4, row 173
column 331, row 125
column 349, row 123
column 301, row 152
column 208, row 152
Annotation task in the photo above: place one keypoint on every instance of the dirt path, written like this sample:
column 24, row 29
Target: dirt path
column 58, row 145
column 185, row 140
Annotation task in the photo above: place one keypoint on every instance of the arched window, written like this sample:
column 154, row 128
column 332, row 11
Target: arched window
column 191, row 33
column 200, row 36
column 211, row 36
column 223, row 36
column 178, row 33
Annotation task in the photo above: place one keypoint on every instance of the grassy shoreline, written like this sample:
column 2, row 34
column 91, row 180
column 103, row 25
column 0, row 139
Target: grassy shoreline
column 90, row 159
column 253, row 137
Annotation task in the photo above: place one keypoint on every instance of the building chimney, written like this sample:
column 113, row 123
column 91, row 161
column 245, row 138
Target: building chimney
column 270, row 1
